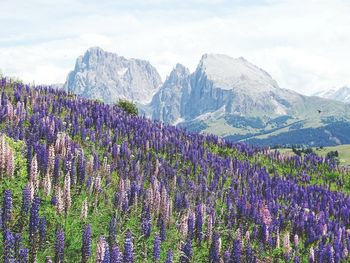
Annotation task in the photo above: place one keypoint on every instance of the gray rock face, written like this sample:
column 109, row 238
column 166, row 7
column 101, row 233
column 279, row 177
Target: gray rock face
column 109, row 77
column 237, row 86
column 169, row 101
column 221, row 83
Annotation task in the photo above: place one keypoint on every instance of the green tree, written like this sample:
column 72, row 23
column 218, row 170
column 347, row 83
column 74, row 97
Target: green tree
column 128, row 107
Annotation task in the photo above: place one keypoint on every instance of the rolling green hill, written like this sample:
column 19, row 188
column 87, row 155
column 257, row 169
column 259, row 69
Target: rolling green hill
column 343, row 150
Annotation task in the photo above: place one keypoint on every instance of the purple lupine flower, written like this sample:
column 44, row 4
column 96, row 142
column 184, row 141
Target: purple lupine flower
column 7, row 208
column 264, row 233
column 125, row 203
column 106, row 258
column 249, row 255
column 34, row 216
column 18, row 244
column 81, row 164
column 86, row 247
column 34, row 228
column 56, row 170
column 42, row 230
column 199, row 223
column 227, row 257
column 187, row 251
column 156, row 248
column 236, row 251
column 25, row 201
column 116, row 256
column 190, row 225
column 59, row 246
column 146, row 222
column 48, row 260
column 162, row 229
column 327, row 254
column 9, row 246
column 169, row 257
column 112, row 230
column 89, row 183
column 23, row 255
column 133, row 193
column 214, row 252
column 54, row 200
column 128, row 248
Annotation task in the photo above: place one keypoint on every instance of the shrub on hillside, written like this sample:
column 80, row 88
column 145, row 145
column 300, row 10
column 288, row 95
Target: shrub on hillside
column 128, row 107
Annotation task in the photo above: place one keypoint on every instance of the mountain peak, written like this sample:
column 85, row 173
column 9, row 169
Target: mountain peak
column 178, row 73
column 180, row 69
column 211, row 57
column 94, row 51
column 99, row 74
column 228, row 72
column 341, row 94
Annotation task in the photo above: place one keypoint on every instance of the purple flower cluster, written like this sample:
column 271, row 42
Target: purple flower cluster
column 59, row 246
column 156, row 248
column 6, row 208
column 128, row 248
column 169, row 257
column 86, row 248
column 116, row 256
column 9, row 247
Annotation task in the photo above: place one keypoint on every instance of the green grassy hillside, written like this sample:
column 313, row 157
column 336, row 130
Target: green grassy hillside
column 343, row 150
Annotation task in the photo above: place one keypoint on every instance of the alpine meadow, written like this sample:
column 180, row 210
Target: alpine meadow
column 165, row 131
column 83, row 181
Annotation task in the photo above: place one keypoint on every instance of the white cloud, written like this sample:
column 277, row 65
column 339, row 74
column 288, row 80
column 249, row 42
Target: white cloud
column 302, row 44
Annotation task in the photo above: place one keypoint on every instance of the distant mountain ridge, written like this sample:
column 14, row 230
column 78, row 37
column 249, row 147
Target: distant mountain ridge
column 221, row 83
column 226, row 96
column 342, row 94
column 109, row 77
column 235, row 99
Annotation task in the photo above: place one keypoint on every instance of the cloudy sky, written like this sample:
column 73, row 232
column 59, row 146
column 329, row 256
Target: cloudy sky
column 303, row 44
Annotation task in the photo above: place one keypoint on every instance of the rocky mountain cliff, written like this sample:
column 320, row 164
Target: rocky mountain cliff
column 233, row 98
column 228, row 86
column 169, row 102
column 109, row 77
